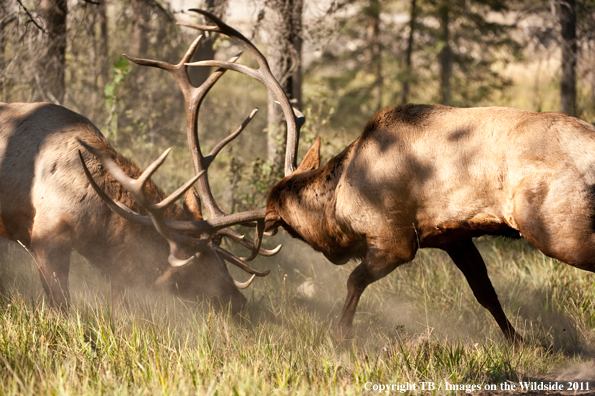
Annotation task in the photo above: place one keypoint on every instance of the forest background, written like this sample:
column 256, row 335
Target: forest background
column 339, row 60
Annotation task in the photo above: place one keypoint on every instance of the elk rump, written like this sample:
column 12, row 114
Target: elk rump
column 435, row 176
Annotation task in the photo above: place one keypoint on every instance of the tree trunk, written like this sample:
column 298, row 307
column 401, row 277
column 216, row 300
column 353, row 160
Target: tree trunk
column 3, row 25
column 51, row 58
column 284, row 57
column 296, row 76
column 8, row 15
column 94, row 66
column 103, row 42
column 567, row 15
column 140, row 28
column 205, row 50
column 445, row 55
column 2, row 62
column 408, row 52
column 375, row 52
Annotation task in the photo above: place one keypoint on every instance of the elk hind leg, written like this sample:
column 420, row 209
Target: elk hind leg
column 468, row 259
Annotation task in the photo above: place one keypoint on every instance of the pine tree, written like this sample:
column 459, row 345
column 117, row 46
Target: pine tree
column 465, row 45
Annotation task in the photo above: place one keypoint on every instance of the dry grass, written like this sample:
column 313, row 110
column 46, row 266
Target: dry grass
column 421, row 323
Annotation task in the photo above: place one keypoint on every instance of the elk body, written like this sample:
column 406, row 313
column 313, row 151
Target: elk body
column 47, row 203
column 435, row 176
column 63, row 187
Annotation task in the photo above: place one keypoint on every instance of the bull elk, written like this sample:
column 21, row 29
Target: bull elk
column 52, row 204
column 435, row 176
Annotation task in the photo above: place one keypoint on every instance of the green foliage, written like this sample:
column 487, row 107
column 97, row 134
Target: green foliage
column 250, row 183
column 121, row 70
column 481, row 44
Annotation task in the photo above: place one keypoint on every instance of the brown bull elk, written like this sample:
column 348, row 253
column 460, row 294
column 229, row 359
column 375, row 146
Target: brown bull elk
column 435, row 176
column 52, row 204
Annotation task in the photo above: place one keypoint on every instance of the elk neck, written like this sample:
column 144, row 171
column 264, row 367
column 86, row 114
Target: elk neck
column 124, row 240
column 306, row 204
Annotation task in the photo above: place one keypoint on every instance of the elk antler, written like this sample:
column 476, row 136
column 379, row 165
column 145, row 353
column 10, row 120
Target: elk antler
column 157, row 211
column 295, row 119
column 219, row 222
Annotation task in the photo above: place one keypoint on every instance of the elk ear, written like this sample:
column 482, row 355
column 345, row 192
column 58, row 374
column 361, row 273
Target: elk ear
column 312, row 159
column 192, row 204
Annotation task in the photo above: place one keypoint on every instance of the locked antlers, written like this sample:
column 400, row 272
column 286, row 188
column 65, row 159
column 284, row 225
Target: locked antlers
column 219, row 223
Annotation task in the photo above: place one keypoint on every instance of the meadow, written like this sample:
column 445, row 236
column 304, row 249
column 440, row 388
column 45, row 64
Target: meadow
column 419, row 324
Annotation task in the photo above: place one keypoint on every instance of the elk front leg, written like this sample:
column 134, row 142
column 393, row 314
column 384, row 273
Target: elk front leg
column 53, row 261
column 374, row 267
column 468, row 259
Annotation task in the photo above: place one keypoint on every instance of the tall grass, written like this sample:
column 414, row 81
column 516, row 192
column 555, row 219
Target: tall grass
column 421, row 323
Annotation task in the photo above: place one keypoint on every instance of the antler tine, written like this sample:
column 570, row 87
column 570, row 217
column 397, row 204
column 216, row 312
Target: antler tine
column 156, row 211
column 244, row 285
column 234, row 236
column 245, row 70
column 211, row 157
column 206, row 28
column 222, row 27
column 173, row 197
column 135, row 186
column 255, row 246
column 257, row 241
column 118, row 208
column 193, row 97
column 269, row 80
column 201, row 226
column 149, row 62
column 164, row 65
column 191, row 50
column 230, row 258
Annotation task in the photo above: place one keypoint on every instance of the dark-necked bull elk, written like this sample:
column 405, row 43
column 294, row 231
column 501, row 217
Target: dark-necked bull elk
column 63, row 187
column 435, row 176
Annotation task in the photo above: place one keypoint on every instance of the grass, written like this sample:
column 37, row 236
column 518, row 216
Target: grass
column 420, row 324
